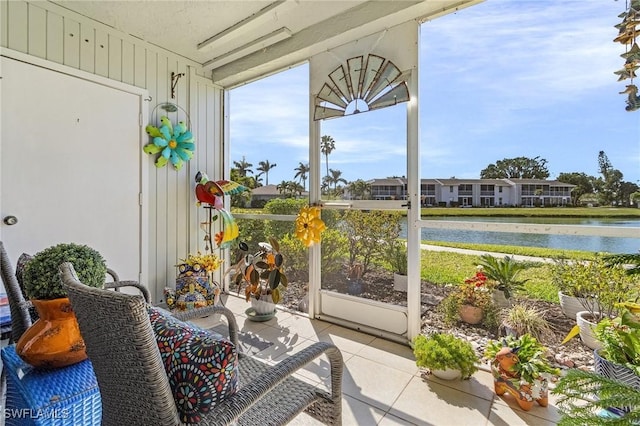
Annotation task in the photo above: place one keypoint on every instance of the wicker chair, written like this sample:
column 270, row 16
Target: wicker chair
column 22, row 312
column 134, row 386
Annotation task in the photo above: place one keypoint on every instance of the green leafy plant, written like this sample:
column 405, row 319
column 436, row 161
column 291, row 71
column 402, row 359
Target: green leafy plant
column 42, row 278
column 473, row 291
column 262, row 273
column 620, row 339
column 532, row 364
column 599, row 285
column 504, row 272
column 523, row 320
column 441, row 351
column 579, row 405
column 630, row 259
column 397, row 256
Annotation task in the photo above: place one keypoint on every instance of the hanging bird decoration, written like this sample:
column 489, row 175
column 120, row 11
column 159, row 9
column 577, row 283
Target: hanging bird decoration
column 173, row 143
column 211, row 193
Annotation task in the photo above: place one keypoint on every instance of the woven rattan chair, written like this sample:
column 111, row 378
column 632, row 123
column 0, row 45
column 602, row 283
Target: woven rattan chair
column 134, row 386
column 22, row 312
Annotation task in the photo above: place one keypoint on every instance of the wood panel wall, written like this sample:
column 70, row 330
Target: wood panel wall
column 48, row 31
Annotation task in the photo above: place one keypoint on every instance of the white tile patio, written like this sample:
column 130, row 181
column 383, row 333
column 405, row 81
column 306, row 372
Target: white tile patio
column 381, row 383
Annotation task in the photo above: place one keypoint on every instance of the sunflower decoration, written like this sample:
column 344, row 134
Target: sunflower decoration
column 309, row 226
column 173, row 143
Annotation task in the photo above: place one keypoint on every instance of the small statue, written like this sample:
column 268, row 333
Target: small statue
column 507, row 379
column 170, row 297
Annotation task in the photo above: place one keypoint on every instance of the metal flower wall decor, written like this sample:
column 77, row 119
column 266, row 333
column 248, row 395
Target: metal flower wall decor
column 173, row 143
column 362, row 84
column 627, row 36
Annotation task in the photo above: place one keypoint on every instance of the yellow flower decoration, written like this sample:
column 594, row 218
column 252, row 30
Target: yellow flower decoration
column 309, row 225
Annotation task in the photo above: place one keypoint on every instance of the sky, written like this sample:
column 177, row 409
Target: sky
column 501, row 79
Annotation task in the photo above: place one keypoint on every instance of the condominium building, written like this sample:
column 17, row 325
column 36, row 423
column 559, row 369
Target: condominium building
column 476, row 192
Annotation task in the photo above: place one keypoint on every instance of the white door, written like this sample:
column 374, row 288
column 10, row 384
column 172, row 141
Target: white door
column 71, row 165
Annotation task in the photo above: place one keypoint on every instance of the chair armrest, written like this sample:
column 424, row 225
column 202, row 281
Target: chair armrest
column 233, row 407
column 191, row 314
column 117, row 285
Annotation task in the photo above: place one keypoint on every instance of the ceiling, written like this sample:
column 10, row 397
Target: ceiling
column 240, row 40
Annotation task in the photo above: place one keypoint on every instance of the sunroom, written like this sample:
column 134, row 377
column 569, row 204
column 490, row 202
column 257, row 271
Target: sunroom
column 77, row 74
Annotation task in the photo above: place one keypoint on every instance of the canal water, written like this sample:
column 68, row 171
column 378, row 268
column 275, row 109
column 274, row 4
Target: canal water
column 568, row 242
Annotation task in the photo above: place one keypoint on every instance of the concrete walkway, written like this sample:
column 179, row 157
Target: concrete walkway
column 480, row 253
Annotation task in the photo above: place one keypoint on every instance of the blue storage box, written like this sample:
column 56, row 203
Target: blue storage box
column 61, row 396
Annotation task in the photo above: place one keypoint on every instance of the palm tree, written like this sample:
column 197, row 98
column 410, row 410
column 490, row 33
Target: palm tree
column 301, row 174
column 243, row 167
column 264, row 167
column 334, row 178
column 327, row 145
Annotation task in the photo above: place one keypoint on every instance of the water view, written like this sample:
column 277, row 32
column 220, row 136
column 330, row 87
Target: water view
column 568, row 242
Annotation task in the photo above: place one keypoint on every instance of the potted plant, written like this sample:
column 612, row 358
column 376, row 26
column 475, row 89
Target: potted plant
column 520, row 368
column 447, row 356
column 54, row 339
column 521, row 319
column 397, row 256
column 601, row 286
column 504, row 272
column 471, row 302
column 619, row 356
column 263, row 277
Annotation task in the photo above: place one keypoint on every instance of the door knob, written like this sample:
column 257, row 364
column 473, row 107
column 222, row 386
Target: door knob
column 10, row 220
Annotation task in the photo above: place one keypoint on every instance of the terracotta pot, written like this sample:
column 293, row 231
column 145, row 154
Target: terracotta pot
column 54, row 340
column 471, row 314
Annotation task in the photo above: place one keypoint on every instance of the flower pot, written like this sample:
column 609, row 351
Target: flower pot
column 471, row 314
column 586, row 330
column 447, row 374
column 400, row 282
column 54, row 340
column 500, row 300
column 264, row 306
column 570, row 305
column 614, row 371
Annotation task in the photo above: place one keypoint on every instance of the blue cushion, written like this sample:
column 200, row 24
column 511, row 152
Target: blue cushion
column 202, row 367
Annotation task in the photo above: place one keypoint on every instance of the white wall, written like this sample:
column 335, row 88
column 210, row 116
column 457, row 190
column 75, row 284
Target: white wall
column 48, row 31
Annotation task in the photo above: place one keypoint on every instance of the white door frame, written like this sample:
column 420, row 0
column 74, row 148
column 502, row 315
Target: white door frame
column 143, row 96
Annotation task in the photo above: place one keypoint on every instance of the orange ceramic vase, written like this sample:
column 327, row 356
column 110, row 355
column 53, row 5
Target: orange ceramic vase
column 471, row 314
column 54, row 340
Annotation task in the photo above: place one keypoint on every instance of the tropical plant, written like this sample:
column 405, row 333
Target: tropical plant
column 631, row 262
column 243, row 167
column 42, row 278
column 523, row 320
column 327, row 145
column 584, row 397
column 301, row 173
column 442, row 351
column 504, row 272
column 533, row 364
column 261, row 273
column 620, row 338
column 598, row 285
column 264, row 167
column 397, row 256
column 474, row 292
column 334, row 178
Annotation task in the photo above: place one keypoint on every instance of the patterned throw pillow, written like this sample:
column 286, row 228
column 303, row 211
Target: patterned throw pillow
column 202, row 367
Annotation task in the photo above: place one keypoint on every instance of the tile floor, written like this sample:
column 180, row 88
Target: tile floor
column 381, row 383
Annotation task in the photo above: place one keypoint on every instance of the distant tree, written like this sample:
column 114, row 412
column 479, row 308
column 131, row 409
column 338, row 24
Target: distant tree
column 334, row 178
column 289, row 188
column 583, row 182
column 359, row 189
column 627, row 189
column 243, row 167
column 264, row 167
column 301, row 174
column 610, row 187
column 242, row 199
column 517, row 168
column 327, row 145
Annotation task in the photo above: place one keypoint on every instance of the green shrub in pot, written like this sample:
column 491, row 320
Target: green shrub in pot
column 442, row 351
column 42, row 278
